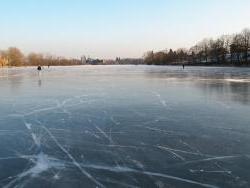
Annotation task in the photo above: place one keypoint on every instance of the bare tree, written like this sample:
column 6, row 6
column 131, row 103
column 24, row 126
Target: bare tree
column 194, row 51
column 149, row 57
column 245, row 42
column 181, row 54
column 35, row 59
column 227, row 41
column 236, row 47
column 15, row 56
column 204, row 49
column 217, row 50
column 3, row 58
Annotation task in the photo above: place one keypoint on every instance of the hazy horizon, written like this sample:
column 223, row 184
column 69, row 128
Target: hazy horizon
column 116, row 28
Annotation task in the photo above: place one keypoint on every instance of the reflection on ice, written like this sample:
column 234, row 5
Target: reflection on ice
column 125, row 126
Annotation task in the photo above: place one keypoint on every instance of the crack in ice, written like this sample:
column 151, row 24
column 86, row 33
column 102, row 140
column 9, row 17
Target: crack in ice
column 73, row 159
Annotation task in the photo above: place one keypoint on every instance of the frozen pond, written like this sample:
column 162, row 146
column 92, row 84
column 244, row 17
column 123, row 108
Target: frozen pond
column 125, row 126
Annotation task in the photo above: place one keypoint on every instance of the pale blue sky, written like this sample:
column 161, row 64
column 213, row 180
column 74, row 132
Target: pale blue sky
column 110, row 28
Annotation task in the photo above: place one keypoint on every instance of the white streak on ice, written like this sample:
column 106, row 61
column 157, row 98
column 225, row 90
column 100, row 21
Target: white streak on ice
column 130, row 170
column 211, row 171
column 42, row 164
column 163, row 131
column 182, row 151
column 114, row 121
column 212, row 159
column 33, row 135
column 84, row 172
column 190, row 147
column 104, row 134
column 163, row 102
column 172, row 152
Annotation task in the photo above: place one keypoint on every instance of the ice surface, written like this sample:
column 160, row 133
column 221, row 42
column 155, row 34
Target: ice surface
column 125, row 126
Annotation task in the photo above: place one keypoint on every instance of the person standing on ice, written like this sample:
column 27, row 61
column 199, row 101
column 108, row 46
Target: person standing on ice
column 39, row 68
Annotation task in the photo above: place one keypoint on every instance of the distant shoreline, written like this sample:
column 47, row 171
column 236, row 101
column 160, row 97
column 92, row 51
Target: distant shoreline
column 174, row 65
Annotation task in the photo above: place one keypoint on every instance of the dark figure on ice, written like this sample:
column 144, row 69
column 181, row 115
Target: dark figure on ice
column 183, row 66
column 39, row 68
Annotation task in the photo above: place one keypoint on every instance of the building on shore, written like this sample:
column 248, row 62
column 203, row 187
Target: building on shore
column 91, row 61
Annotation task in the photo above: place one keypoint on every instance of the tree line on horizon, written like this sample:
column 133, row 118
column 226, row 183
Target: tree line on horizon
column 227, row 49
column 14, row 57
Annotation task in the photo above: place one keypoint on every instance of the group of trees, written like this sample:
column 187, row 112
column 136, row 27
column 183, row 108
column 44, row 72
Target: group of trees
column 227, row 49
column 14, row 57
column 166, row 57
